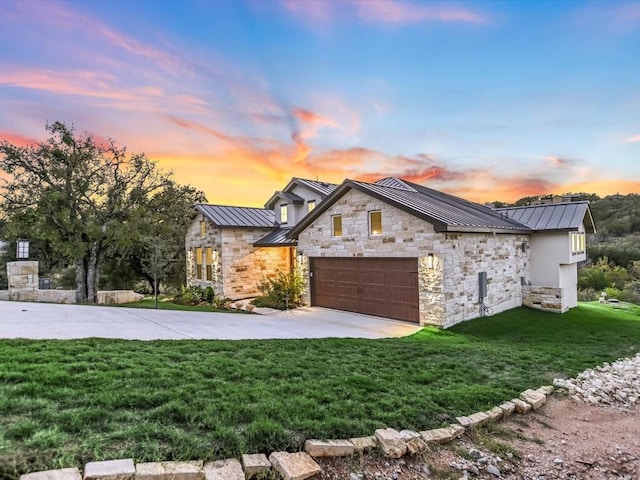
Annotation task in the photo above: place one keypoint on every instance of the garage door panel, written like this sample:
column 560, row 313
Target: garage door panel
column 386, row 287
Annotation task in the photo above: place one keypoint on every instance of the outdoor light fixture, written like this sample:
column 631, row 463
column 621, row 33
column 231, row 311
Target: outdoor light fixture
column 430, row 261
column 23, row 249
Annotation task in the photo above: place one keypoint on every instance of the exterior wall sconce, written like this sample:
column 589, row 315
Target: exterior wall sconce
column 430, row 261
column 22, row 252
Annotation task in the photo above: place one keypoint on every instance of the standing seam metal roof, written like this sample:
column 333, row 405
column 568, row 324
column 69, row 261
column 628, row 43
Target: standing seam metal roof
column 321, row 187
column 551, row 216
column 277, row 238
column 447, row 209
column 228, row 216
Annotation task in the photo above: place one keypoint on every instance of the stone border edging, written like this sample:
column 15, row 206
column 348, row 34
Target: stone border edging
column 298, row 465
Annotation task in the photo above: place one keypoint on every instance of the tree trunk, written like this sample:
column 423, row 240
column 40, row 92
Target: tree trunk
column 92, row 273
column 81, row 281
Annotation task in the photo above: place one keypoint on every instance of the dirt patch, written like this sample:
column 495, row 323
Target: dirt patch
column 562, row 440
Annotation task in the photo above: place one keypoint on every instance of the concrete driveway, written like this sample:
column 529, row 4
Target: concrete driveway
column 53, row 321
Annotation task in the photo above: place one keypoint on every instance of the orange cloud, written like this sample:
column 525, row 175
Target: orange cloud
column 555, row 161
column 16, row 139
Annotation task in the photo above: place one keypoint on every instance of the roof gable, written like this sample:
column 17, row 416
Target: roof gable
column 445, row 212
column 321, row 188
column 242, row 217
column 553, row 216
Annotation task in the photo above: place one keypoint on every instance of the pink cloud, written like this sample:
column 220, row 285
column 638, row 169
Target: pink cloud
column 632, row 139
column 394, row 12
column 404, row 12
column 16, row 139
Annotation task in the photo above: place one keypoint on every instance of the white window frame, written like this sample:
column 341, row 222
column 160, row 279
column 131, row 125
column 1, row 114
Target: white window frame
column 284, row 213
column 578, row 243
column 311, row 205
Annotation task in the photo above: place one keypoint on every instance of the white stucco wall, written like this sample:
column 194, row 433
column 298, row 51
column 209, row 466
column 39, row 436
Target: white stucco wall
column 296, row 212
column 569, row 284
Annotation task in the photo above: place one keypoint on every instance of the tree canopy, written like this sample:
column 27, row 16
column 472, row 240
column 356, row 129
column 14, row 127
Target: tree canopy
column 84, row 201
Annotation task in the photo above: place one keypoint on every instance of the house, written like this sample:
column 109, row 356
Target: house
column 401, row 250
column 395, row 249
column 232, row 249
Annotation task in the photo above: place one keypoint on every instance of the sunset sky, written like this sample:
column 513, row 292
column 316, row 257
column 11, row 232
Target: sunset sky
column 489, row 100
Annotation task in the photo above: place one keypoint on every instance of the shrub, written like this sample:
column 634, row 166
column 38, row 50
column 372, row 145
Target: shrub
column 613, row 293
column 588, row 295
column 190, row 295
column 281, row 290
column 631, row 292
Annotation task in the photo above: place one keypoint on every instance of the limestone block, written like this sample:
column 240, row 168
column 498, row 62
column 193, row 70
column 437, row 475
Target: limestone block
column 229, row 469
column 416, row 445
column 545, row 390
column 329, row 448
column 474, row 420
column 255, row 464
column 508, row 408
column 443, row 435
column 122, row 469
column 170, row 471
column 521, row 406
column 294, row 466
column 364, row 443
column 60, row 474
column 495, row 414
column 533, row 398
column 392, row 442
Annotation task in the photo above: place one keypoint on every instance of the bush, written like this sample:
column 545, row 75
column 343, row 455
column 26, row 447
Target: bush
column 190, row 295
column 613, row 293
column 631, row 292
column 588, row 295
column 281, row 290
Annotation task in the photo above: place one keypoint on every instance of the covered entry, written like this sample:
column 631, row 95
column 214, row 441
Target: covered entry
column 386, row 287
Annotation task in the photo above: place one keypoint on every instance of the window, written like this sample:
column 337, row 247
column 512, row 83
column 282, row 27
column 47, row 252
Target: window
column 375, row 223
column 203, row 227
column 578, row 243
column 283, row 213
column 311, row 204
column 336, row 225
column 209, row 266
column 198, row 263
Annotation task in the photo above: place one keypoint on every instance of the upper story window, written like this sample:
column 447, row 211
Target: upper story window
column 203, row 227
column 283, row 213
column 311, row 204
column 336, row 225
column 578, row 243
column 375, row 223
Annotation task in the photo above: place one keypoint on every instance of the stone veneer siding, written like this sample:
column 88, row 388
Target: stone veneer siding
column 449, row 289
column 238, row 267
column 548, row 299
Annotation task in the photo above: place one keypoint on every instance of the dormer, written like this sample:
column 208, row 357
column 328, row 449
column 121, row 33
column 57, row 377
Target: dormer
column 298, row 198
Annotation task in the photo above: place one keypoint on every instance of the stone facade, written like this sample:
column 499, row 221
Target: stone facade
column 237, row 267
column 549, row 299
column 23, row 280
column 448, row 281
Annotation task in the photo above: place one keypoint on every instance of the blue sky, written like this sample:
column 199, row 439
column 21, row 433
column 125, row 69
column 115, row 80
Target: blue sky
column 487, row 100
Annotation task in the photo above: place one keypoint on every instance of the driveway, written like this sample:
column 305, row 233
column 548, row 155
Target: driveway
column 54, row 321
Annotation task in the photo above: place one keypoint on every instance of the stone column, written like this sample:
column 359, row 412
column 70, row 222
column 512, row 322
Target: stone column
column 23, row 280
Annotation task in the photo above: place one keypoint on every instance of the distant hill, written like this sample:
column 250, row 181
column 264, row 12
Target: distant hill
column 617, row 219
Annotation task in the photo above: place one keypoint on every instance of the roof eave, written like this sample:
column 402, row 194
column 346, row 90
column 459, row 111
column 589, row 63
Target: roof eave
column 474, row 229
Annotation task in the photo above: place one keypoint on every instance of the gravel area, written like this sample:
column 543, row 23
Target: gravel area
column 617, row 383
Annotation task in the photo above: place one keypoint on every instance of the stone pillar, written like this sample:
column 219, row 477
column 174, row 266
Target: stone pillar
column 23, row 280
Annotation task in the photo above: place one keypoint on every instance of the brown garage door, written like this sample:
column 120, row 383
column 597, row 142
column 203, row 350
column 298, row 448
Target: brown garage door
column 386, row 287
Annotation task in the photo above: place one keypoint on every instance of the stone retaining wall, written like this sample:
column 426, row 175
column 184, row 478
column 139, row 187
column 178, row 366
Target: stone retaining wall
column 299, row 465
column 548, row 299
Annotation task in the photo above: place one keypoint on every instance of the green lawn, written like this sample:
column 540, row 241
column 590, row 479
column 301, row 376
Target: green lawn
column 63, row 403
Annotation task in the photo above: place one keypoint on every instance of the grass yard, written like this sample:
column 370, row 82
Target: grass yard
column 63, row 403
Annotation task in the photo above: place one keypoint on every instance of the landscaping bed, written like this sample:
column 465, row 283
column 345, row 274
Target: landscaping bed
column 65, row 403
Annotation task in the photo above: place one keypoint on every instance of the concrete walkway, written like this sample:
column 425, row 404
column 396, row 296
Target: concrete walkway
column 54, row 321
